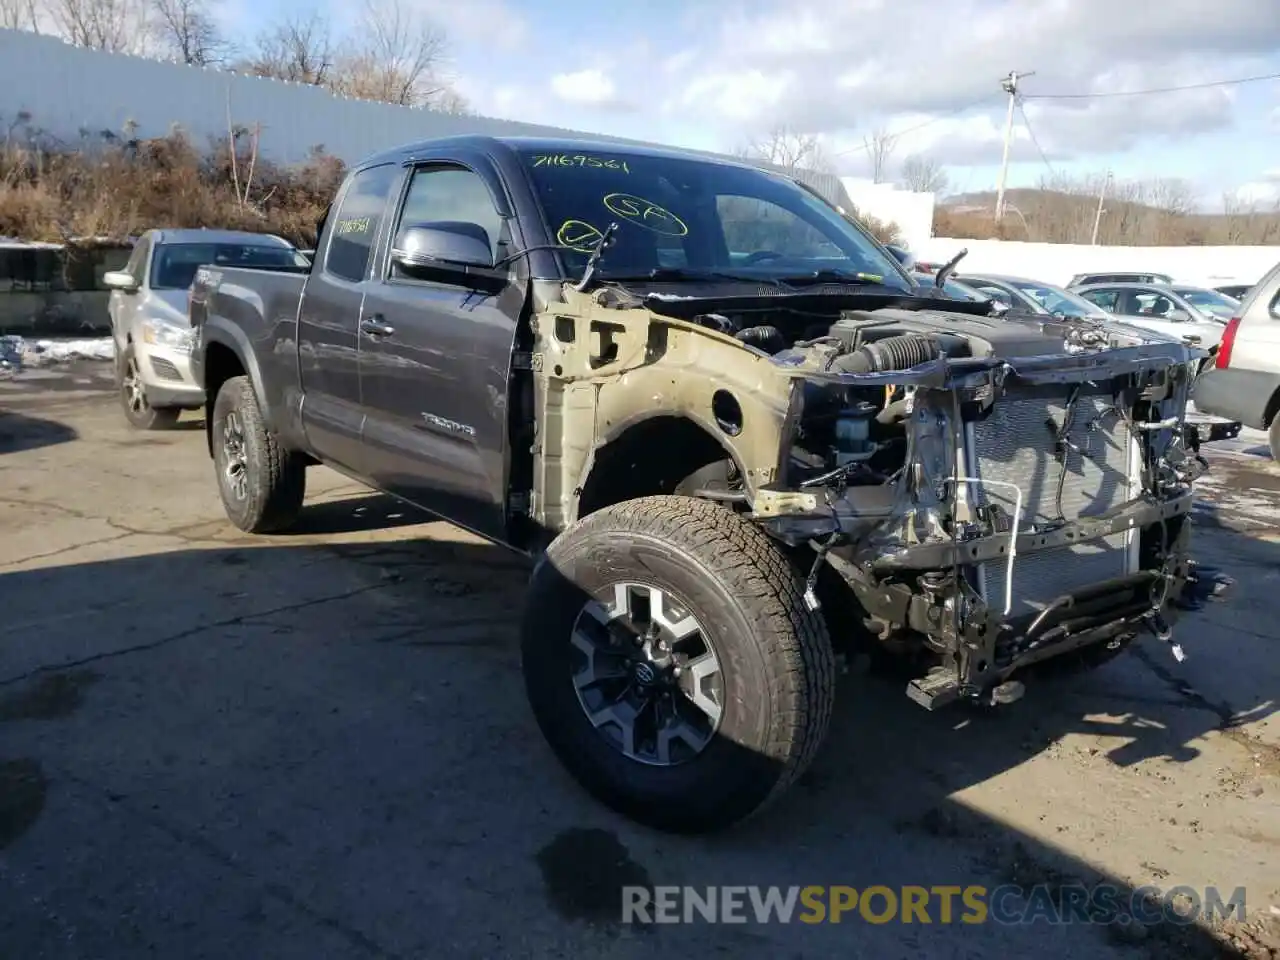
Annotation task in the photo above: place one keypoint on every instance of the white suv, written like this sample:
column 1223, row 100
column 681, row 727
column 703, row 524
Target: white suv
column 1244, row 383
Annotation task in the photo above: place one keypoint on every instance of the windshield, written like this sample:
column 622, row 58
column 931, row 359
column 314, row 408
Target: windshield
column 699, row 216
column 1056, row 300
column 1210, row 301
column 175, row 264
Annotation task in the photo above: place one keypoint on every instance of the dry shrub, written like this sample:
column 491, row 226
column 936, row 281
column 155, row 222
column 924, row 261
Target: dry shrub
column 883, row 230
column 108, row 186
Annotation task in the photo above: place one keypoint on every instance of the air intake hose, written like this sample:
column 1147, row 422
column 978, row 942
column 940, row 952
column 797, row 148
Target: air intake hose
column 765, row 337
column 891, row 353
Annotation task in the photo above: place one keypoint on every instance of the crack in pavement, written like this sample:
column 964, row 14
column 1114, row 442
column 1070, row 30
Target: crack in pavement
column 61, row 550
column 124, row 529
column 206, row 847
column 150, row 645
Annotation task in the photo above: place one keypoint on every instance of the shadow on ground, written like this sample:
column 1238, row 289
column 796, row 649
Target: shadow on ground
column 19, row 431
column 340, row 731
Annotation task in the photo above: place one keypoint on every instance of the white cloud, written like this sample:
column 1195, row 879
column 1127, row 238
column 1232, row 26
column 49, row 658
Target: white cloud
column 491, row 23
column 584, row 87
column 845, row 69
column 1265, row 191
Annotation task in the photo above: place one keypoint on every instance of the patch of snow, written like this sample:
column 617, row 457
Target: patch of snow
column 17, row 354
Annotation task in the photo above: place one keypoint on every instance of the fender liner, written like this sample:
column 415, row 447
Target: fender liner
column 619, row 429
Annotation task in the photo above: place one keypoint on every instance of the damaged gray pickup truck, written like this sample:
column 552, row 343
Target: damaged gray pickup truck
column 741, row 442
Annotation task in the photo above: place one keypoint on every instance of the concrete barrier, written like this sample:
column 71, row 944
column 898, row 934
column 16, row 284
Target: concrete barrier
column 54, row 313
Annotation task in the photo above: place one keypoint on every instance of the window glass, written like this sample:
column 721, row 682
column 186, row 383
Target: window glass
column 1108, row 300
column 451, row 193
column 1210, row 301
column 751, row 224
column 138, row 259
column 175, row 264
column 1057, row 301
column 699, row 214
column 355, row 227
column 995, row 293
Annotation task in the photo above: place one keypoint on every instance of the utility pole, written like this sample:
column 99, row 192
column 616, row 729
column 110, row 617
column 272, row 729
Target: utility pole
column 1010, row 86
column 1097, row 217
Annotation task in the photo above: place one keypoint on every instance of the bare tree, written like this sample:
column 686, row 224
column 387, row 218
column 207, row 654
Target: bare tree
column 451, row 101
column 923, row 174
column 20, row 15
column 299, row 50
column 395, row 57
column 188, row 30
column 116, row 26
column 788, row 149
column 879, row 146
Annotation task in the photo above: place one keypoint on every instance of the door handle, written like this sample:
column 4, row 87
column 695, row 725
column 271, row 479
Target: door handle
column 376, row 326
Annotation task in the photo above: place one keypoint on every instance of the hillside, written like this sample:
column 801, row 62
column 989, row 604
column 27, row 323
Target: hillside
column 1156, row 213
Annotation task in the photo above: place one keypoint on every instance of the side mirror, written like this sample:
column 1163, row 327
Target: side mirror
column 120, row 280
column 448, row 246
column 1178, row 316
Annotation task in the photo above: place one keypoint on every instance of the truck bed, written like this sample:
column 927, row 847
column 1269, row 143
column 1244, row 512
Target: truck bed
column 256, row 300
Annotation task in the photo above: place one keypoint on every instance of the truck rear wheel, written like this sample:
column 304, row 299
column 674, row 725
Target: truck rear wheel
column 672, row 664
column 261, row 483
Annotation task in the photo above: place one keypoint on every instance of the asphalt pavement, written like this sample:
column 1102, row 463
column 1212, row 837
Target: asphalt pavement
column 316, row 745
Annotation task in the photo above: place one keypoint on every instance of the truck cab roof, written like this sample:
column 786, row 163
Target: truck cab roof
column 552, row 145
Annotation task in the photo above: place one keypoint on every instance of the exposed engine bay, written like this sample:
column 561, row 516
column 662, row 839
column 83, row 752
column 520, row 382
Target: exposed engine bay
column 993, row 491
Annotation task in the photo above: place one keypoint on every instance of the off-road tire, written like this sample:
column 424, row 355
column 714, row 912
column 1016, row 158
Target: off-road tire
column 276, row 477
column 1274, row 437
column 133, row 398
column 775, row 654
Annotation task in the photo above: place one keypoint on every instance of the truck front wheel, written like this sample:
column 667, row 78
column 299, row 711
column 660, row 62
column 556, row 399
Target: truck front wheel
column 261, row 482
column 672, row 664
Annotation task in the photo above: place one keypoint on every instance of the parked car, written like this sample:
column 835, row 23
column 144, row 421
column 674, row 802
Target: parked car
column 1041, row 298
column 1156, row 307
column 149, row 322
column 1081, row 279
column 504, row 331
column 1236, row 290
column 1244, row 382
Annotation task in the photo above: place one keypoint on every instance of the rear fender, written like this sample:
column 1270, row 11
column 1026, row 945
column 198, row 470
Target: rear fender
column 217, row 330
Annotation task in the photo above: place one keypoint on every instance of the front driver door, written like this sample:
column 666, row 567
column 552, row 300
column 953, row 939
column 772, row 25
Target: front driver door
column 435, row 357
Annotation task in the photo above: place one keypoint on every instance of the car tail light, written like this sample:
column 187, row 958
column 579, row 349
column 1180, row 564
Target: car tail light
column 1228, row 341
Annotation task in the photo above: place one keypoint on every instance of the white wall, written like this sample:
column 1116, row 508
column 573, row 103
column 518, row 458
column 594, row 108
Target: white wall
column 67, row 90
column 911, row 211
column 1059, row 262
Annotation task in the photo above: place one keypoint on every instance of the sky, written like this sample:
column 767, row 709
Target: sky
column 716, row 74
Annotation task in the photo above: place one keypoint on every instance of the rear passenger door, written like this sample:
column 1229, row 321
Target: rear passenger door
column 435, row 364
column 328, row 317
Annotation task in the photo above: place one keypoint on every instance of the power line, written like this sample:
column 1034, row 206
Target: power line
column 898, row 135
column 1153, row 90
column 1026, row 121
